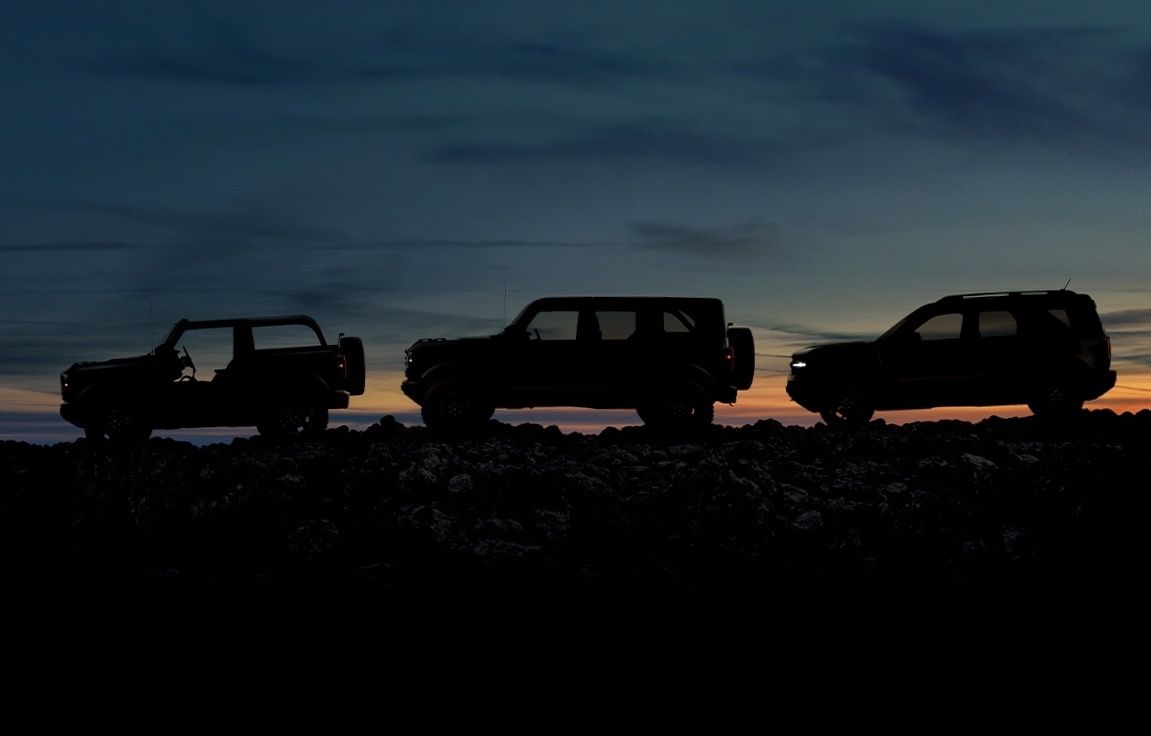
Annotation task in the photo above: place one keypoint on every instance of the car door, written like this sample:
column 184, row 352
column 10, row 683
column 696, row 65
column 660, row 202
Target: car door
column 544, row 367
column 195, row 399
column 614, row 352
column 997, row 360
column 929, row 363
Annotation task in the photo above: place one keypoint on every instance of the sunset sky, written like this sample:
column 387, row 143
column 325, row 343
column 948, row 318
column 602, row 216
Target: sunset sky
column 407, row 170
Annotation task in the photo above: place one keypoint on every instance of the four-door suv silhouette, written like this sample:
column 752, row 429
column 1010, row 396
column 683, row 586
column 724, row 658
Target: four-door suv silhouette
column 280, row 375
column 1046, row 349
column 668, row 358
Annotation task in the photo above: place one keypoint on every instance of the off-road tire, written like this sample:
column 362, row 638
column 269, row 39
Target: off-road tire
column 849, row 406
column 118, row 425
column 454, row 409
column 681, row 409
column 1057, row 398
column 294, row 422
column 742, row 345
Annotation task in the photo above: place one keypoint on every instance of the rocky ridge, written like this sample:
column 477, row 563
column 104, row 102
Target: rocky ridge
column 1004, row 510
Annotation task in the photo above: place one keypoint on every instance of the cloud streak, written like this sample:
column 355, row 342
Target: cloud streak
column 1005, row 84
column 68, row 247
column 738, row 240
column 655, row 140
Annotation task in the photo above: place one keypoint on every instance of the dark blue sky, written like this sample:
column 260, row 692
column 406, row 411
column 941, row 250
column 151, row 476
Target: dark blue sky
column 396, row 169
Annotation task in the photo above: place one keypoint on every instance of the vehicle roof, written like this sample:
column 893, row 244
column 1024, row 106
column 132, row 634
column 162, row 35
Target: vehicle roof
column 251, row 321
column 1012, row 296
column 621, row 301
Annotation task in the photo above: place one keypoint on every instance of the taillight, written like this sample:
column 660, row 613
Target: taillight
column 729, row 357
column 342, row 364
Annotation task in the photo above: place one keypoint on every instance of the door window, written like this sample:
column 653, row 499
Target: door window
column 559, row 325
column 942, row 327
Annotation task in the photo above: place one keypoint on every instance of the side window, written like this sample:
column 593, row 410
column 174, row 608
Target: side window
column 554, row 325
column 283, row 336
column 616, row 325
column 942, row 327
column 997, row 324
column 676, row 323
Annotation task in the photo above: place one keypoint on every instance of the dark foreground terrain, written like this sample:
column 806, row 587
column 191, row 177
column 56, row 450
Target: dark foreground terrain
column 1002, row 511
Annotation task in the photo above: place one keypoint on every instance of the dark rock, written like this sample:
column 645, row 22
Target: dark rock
column 1004, row 509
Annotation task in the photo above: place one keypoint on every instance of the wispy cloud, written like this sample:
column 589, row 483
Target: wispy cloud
column 740, row 239
column 240, row 225
column 68, row 247
column 631, row 141
column 1127, row 318
column 1009, row 84
column 477, row 244
column 802, row 335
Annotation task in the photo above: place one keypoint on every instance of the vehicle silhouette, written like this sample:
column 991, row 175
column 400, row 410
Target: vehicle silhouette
column 280, row 375
column 1046, row 349
column 668, row 358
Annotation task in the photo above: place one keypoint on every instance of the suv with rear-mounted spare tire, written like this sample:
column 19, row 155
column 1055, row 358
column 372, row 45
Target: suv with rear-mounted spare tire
column 669, row 358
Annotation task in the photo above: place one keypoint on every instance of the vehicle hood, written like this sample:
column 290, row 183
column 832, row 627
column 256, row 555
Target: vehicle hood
column 839, row 352
column 85, row 366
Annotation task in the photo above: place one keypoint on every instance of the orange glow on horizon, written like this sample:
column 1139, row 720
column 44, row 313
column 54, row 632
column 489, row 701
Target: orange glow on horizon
column 766, row 399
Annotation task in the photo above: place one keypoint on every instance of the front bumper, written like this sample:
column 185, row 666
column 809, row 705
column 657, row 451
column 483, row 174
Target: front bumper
column 73, row 415
column 414, row 390
column 804, row 393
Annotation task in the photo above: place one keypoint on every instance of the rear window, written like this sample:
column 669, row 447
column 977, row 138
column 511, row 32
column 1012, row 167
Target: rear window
column 1061, row 315
column 677, row 323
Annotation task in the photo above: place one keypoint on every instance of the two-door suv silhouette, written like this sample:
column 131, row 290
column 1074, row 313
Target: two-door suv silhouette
column 668, row 358
column 278, row 373
column 1046, row 349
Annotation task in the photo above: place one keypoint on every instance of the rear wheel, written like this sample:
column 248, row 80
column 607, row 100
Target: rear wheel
column 294, row 422
column 1058, row 397
column 849, row 406
column 680, row 409
column 455, row 409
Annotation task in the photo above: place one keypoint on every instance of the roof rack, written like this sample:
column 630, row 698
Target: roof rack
column 1006, row 294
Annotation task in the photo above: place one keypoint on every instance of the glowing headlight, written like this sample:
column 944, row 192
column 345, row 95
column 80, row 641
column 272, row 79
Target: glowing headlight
column 798, row 364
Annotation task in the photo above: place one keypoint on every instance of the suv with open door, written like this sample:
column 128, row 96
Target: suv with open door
column 278, row 373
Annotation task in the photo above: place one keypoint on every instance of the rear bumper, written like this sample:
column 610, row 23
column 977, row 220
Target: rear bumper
column 338, row 400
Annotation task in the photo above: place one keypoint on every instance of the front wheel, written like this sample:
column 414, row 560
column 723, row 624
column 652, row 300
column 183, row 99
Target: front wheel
column 294, row 422
column 848, row 406
column 119, row 425
column 452, row 409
